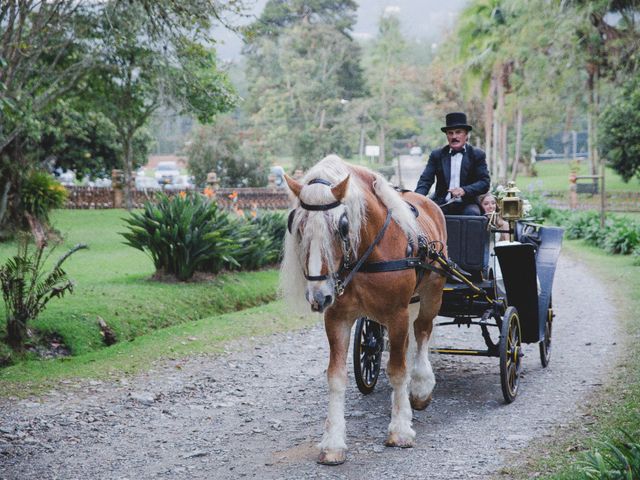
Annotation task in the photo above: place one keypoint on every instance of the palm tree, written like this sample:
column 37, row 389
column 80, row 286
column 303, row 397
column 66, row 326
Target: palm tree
column 481, row 32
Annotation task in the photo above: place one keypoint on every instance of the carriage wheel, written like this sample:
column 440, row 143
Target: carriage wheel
column 545, row 345
column 368, row 343
column 510, row 354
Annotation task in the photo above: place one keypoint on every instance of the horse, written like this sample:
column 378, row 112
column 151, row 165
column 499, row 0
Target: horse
column 346, row 220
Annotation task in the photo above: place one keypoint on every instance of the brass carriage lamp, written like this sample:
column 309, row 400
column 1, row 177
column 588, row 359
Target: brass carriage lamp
column 511, row 206
column 511, row 203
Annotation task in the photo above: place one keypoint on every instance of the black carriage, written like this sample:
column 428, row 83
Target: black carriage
column 504, row 286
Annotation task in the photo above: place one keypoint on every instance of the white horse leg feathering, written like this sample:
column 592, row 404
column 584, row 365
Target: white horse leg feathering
column 400, row 432
column 333, row 446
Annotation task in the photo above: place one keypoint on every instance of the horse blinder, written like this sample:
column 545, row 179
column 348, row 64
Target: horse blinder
column 343, row 227
column 290, row 220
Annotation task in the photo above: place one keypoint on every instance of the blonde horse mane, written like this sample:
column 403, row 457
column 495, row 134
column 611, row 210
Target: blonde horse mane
column 322, row 225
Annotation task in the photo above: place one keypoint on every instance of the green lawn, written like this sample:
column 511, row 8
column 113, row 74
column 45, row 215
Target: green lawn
column 553, row 175
column 113, row 282
column 205, row 336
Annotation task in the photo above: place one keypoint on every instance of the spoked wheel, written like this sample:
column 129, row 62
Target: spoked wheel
column 368, row 343
column 510, row 354
column 545, row 345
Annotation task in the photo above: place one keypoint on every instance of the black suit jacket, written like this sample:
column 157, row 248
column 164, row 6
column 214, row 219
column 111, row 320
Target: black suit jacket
column 474, row 175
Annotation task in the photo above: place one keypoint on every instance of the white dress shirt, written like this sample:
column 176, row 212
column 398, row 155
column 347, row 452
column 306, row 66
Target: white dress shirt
column 454, row 180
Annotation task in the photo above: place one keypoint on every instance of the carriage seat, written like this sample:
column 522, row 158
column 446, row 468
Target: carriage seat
column 468, row 243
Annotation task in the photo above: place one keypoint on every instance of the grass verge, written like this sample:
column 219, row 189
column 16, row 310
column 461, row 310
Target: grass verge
column 205, row 336
column 113, row 282
column 617, row 405
column 553, row 175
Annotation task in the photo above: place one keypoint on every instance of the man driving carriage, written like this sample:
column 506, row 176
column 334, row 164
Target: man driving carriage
column 458, row 169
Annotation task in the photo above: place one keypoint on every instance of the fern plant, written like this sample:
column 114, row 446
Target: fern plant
column 622, row 237
column 27, row 288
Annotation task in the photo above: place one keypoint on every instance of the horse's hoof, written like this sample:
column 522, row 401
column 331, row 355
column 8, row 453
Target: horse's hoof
column 394, row 440
column 420, row 404
column 332, row 457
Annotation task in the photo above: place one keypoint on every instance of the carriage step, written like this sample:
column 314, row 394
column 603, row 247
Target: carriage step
column 461, row 351
column 486, row 284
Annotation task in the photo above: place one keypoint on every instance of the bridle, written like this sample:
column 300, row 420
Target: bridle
column 343, row 230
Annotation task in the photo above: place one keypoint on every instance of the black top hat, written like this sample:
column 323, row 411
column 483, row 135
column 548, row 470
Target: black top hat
column 456, row 120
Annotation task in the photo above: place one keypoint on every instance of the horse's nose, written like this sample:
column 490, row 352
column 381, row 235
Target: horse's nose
column 320, row 302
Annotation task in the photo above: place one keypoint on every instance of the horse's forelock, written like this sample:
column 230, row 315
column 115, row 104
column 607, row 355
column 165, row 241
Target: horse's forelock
column 334, row 170
column 321, row 225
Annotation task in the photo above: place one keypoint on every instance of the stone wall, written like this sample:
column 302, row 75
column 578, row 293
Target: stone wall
column 278, row 199
column 245, row 198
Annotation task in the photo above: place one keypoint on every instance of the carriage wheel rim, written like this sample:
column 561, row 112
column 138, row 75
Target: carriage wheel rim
column 369, row 356
column 511, row 355
column 547, row 330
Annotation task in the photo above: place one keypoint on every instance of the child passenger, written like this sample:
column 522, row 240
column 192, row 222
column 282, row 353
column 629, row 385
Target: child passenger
column 489, row 206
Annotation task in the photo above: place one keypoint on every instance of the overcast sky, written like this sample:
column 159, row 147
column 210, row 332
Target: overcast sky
column 425, row 19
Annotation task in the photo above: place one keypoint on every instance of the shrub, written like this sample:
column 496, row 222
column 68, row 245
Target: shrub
column 41, row 193
column 255, row 247
column 274, row 226
column 578, row 224
column 260, row 240
column 26, row 289
column 613, row 460
column 183, row 234
column 540, row 210
column 621, row 237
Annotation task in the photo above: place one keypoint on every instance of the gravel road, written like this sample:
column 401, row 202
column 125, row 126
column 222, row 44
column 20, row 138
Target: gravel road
column 257, row 412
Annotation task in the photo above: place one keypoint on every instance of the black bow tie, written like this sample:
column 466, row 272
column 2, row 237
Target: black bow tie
column 454, row 152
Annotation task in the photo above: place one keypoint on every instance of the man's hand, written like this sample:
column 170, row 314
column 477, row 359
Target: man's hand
column 457, row 192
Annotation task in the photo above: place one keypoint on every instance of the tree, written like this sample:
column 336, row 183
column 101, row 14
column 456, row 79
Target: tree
column 483, row 32
column 620, row 131
column 145, row 66
column 278, row 15
column 390, row 83
column 49, row 49
column 41, row 60
column 82, row 140
column 302, row 70
column 43, row 53
column 608, row 50
column 218, row 148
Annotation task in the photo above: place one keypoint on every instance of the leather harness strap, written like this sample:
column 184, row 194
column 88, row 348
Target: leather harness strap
column 357, row 267
column 410, row 262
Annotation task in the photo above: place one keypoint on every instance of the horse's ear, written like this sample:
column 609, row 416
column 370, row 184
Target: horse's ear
column 294, row 185
column 341, row 189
